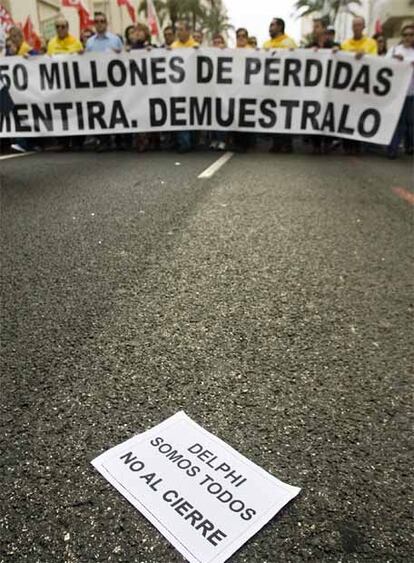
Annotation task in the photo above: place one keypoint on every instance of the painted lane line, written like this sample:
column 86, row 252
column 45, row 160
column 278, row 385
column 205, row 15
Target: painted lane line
column 211, row 170
column 404, row 194
column 18, row 155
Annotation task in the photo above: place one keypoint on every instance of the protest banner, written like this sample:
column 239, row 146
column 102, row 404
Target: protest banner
column 201, row 494
column 295, row 92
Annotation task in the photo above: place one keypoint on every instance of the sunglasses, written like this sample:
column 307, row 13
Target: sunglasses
column 61, row 26
column 100, row 21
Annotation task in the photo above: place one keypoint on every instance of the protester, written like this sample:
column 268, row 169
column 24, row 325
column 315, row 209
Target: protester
column 86, row 34
column 198, row 36
column 381, row 44
column 169, row 36
column 331, row 34
column 185, row 139
column 63, row 43
column 129, row 35
column 218, row 41
column 184, row 39
column 278, row 38
column 405, row 128
column 103, row 41
column 320, row 40
column 218, row 139
column 20, row 47
column 140, row 38
column 242, row 38
column 252, row 41
column 359, row 43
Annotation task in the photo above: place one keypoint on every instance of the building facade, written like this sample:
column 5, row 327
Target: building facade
column 44, row 12
column 391, row 14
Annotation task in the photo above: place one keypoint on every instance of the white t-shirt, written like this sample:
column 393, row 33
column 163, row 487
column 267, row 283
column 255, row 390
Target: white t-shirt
column 408, row 54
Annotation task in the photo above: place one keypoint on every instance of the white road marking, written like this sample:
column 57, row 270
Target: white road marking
column 211, row 170
column 7, row 156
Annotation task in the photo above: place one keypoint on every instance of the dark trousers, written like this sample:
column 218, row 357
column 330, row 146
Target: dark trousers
column 405, row 128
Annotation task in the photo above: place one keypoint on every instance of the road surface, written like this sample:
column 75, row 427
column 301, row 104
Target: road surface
column 272, row 302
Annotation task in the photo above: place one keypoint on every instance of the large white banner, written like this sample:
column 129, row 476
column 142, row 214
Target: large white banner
column 297, row 92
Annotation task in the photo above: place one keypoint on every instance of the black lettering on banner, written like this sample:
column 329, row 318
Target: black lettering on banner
column 66, row 75
column 248, row 514
column 63, row 108
column 267, row 108
column 176, row 111
column 79, row 83
column 289, row 105
column 252, row 68
column 79, row 115
column 221, row 119
column 383, row 77
column 272, row 70
column 96, row 112
column 200, row 111
column 205, row 69
column 363, row 130
column 138, row 70
column 311, row 109
column 342, row 75
column 117, row 73
column 158, row 70
column 40, row 118
column 224, row 66
column 20, row 118
column 313, row 72
column 342, row 128
column 292, row 70
column 176, row 65
column 20, row 77
column 328, row 121
column 158, row 107
column 50, row 77
column 4, row 77
column 96, row 83
column 362, row 80
column 328, row 72
column 118, row 116
column 245, row 112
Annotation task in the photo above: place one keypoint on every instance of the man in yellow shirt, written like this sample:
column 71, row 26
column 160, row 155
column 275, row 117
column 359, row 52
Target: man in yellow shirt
column 278, row 38
column 185, row 139
column 184, row 40
column 360, row 43
column 63, row 43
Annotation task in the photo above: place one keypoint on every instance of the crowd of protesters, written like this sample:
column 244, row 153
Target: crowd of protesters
column 181, row 35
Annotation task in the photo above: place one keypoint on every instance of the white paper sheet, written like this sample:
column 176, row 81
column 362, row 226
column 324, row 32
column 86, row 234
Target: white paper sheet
column 201, row 494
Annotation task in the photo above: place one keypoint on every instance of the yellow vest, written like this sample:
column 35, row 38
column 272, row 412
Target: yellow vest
column 180, row 45
column 365, row 44
column 281, row 42
column 65, row 46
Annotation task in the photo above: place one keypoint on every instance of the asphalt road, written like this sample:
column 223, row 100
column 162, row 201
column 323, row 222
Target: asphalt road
column 272, row 302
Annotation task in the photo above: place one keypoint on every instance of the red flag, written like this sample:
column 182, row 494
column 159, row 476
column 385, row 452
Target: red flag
column 378, row 26
column 71, row 3
column 152, row 18
column 30, row 35
column 6, row 21
column 130, row 7
column 85, row 17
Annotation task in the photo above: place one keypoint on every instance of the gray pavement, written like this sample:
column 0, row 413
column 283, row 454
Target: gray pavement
column 273, row 303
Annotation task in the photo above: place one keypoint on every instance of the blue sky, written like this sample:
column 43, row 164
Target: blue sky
column 256, row 16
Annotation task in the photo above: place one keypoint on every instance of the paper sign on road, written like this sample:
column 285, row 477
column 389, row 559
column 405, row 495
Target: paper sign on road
column 201, row 494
